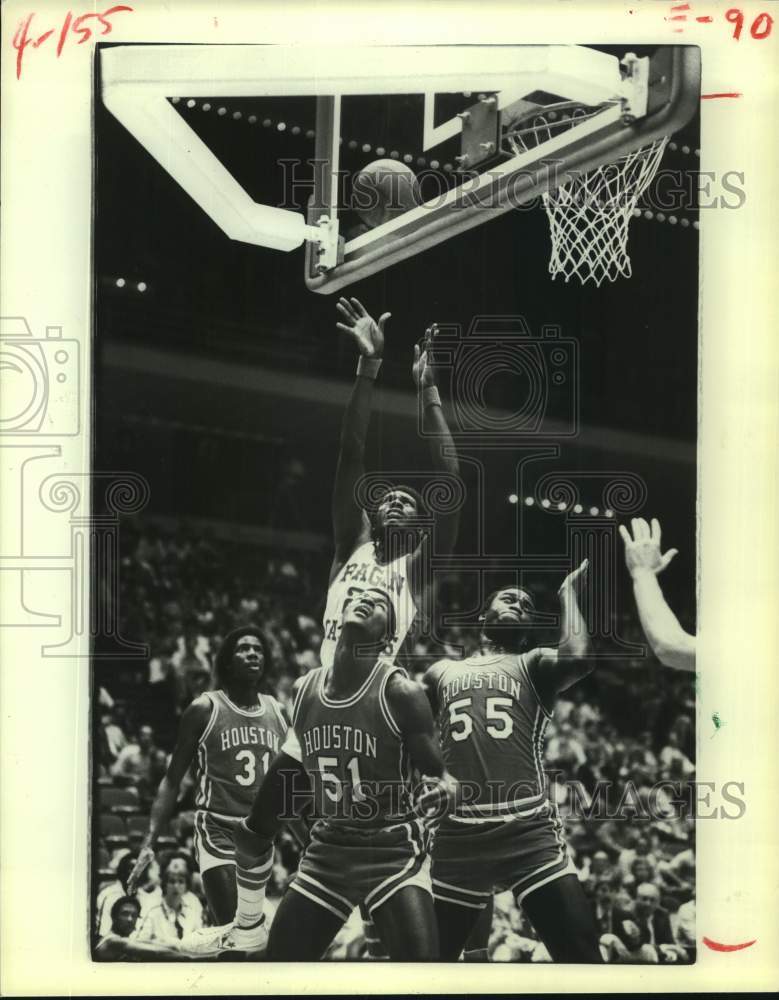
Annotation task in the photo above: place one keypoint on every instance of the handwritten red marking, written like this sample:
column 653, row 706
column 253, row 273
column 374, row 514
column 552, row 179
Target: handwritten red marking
column 719, row 946
column 21, row 39
column 711, row 97
column 735, row 17
column 64, row 33
column 757, row 32
column 680, row 6
column 704, row 20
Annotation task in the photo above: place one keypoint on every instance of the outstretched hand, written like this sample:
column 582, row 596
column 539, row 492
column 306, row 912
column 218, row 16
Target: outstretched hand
column 576, row 579
column 642, row 550
column 145, row 858
column 367, row 333
column 422, row 369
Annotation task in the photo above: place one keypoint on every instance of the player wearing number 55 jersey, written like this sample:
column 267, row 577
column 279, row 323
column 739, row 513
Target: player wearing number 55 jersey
column 505, row 834
column 231, row 735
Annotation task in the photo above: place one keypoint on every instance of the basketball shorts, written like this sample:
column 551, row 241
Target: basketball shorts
column 345, row 866
column 471, row 862
column 214, row 840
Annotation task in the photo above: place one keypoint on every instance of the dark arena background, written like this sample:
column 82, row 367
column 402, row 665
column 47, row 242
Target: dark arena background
column 222, row 381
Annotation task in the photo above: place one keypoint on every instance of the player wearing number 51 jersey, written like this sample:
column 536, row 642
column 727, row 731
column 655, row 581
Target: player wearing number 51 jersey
column 231, row 735
column 505, row 834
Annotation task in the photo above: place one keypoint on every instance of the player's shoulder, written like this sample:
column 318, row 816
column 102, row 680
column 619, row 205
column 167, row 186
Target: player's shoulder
column 306, row 680
column 437, row 669
column 400, row 687
column 201, row 707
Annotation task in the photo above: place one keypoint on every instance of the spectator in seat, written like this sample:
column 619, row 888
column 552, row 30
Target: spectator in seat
column 177, row 914
column 148, row 894
column 654, row 922
column 134, row 761
column 118, row 945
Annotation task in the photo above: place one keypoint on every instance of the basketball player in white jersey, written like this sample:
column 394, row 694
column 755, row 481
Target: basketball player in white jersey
column 383, row 551
column 231, row 735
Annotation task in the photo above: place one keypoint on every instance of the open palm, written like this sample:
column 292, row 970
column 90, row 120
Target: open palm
column 367, row 333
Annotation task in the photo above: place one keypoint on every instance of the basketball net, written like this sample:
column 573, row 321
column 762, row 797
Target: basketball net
column 589, row 213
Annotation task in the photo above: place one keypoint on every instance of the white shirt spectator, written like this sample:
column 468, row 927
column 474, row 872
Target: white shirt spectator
column 164, row 925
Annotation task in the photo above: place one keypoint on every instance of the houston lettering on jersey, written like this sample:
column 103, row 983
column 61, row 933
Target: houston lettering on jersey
column 492, row 728
column 238, row 736
column 475, row 682
column 338, row 736
column 235, row 751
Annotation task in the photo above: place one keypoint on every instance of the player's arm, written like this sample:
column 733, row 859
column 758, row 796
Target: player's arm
column 284, row 795
column 430, row 680
column 350, row 522
column 411, row 711
column 443, row 452
column 554, row 669
column 192, row 726
column 670, row 643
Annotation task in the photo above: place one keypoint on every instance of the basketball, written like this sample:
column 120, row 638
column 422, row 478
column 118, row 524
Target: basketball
column 384, row 189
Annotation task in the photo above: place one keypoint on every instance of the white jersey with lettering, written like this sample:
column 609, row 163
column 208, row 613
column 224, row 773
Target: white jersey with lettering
column 362, row 572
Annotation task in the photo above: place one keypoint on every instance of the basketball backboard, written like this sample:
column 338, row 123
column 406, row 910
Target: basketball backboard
column 444, row 112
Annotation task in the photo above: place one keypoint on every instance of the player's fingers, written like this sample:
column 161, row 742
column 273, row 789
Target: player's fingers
column 383, row 319
column 668, row 557
column 583, row 568
column 345, row 313
column 625, row 534
column 642, row 528
column 359, row 307
column 656, row 531
column 346, row 329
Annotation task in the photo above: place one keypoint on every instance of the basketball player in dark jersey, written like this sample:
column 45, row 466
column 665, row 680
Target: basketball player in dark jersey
column 505, row 834
column 359, row 731
column 231, row 735
column 384, row 550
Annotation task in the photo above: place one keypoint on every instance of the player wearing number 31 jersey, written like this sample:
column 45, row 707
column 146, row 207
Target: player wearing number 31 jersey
column 231, row 734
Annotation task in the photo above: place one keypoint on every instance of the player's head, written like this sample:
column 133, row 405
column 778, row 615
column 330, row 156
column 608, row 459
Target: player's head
column 124, row 915
column 243, row 657
column 370, row 618
column 400, row 507
column 506, row 618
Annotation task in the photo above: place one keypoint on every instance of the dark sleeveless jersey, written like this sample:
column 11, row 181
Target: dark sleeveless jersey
column 235, row 751
column 492, row 727
column 353, row 751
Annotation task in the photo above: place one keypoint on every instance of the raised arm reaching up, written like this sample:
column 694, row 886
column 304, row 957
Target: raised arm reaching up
column 350, row 522
column 670, row 643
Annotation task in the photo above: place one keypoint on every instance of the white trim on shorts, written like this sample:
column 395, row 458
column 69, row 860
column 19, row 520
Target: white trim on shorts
column 570, row 869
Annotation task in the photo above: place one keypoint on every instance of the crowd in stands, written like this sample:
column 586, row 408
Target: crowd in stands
column 626, row 728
